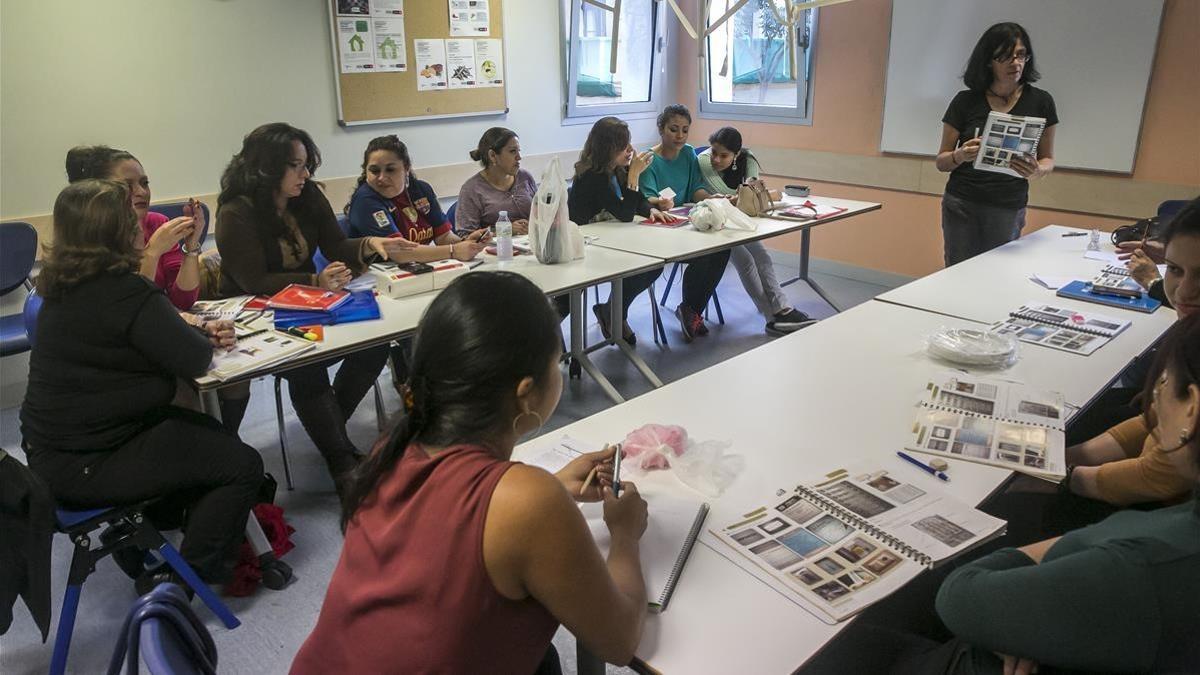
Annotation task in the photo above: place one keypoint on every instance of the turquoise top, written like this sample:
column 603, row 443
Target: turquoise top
column 681, row 174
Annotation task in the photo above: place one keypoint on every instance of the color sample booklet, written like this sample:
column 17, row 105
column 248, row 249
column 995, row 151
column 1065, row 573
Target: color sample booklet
column 840, row 543
column 256, row 352
column 674, row 522
column 1007, row 135
column 224, row 309
column 1061, row 328
column 992, row 422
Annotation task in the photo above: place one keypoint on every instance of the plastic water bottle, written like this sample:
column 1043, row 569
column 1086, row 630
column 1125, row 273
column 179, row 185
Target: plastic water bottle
column 1094, row 240
column 504, row 243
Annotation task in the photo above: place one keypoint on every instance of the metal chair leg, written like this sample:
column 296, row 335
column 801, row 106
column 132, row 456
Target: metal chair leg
column 670, row 282
column 287, row 469
column 717, row 305
column 380, row 411
column 660, row 334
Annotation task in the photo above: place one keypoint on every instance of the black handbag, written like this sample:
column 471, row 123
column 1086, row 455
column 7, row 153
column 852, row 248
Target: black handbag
column 1146, row 228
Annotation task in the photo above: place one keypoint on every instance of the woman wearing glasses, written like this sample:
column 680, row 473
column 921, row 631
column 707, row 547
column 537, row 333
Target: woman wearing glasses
column 983, row 209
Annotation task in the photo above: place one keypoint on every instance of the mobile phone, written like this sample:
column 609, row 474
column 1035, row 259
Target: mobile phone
column 617, row 472
column 796, row 190
column 415, row 267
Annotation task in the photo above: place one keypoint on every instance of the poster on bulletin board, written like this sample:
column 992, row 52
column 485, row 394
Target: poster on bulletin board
column 398, row 60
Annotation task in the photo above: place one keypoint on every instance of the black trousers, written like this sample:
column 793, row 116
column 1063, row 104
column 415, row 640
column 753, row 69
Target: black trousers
column 633, row 286
column 354, row 378
column 206, row 480
column 700, row 279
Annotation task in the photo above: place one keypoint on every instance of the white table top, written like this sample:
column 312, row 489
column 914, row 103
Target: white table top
column 400, row 316
column 796, row 408
column 686, row 242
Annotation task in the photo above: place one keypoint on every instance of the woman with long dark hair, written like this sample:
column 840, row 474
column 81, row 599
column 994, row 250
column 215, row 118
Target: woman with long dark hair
column 97, row 423
column 271, row 219
column 725, row 164
column 457, row 559
column 984, row 209
column 606, row 187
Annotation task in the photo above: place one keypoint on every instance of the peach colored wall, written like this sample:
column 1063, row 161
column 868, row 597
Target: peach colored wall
column 850, row 68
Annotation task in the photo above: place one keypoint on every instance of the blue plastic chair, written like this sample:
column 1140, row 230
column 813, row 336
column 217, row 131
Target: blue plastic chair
column 175, row 210
column 133, row 529
column 450, row 216
column 166, row 634
column 701, row 148
column 29, row 314
column 18, row 250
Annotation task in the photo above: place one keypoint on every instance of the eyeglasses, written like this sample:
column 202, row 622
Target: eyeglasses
column 1023, row 57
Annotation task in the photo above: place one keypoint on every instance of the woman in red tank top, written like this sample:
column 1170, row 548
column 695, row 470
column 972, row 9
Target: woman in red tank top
column 457, row 560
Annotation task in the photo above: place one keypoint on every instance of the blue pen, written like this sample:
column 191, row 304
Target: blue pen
column 923, row 466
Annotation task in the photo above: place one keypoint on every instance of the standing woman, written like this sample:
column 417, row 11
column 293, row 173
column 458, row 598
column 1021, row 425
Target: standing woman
column 675, row 166
column 270, row 220
column 983, row 209
column 96, row 422
column 502, row 185
column 171, row 248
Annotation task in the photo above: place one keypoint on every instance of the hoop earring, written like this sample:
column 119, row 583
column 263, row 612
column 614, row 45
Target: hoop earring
column 517, row 420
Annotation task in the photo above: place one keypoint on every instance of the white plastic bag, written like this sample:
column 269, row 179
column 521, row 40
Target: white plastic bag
column 702, row 465
column 552, row 235
column 716, row 214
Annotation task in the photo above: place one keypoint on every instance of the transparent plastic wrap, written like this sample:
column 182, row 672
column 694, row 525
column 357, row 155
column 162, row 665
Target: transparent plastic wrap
column 702, row 465
column 971, row 347
column 715, row 214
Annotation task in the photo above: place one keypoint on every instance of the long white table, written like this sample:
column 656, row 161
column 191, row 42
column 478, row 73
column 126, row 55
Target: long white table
column 681, row 243
column 849, row 394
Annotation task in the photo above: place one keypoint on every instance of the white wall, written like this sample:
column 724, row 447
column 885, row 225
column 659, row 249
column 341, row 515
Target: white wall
column 180, row 82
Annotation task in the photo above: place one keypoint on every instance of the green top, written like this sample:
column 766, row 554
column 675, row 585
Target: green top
column 681, row 174
column 712, row 178
column 1122, row 595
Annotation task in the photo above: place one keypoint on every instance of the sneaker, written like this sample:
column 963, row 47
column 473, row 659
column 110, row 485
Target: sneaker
column 689, row 322
column 789, row 322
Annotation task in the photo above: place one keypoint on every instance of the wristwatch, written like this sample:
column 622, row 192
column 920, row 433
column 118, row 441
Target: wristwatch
column 188, row 251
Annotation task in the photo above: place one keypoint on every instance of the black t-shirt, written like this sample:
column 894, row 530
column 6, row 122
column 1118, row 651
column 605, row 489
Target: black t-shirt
column 968, row 112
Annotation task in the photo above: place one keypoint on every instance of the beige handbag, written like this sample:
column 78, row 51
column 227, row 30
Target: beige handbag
column 753, row 198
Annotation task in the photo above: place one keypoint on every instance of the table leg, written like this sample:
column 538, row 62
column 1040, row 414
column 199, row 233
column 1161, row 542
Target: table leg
column 805, row 249
column 616, row 319
column 210, row 404
column 579, row 352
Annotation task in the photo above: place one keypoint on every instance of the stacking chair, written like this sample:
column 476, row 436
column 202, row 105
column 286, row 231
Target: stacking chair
column 18, row 249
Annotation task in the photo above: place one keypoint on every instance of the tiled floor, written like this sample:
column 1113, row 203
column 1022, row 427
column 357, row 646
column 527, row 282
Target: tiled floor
column 275, row 623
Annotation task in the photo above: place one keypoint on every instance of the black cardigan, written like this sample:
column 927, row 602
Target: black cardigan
column 592, row 193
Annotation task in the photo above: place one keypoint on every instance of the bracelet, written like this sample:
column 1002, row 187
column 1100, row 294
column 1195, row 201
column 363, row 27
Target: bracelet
column 189, row 251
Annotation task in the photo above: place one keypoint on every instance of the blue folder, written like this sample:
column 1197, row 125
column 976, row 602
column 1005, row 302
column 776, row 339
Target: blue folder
column 1082, row 290
column 361, row 306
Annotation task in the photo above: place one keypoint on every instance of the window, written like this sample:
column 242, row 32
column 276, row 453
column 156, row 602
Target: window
column 756, row 68
column 592, row 90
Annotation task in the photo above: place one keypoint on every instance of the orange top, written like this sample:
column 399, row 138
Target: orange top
column 1147, row 474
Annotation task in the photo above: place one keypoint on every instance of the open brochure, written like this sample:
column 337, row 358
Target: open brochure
column 226, row 308
column 836, row 545
column 674, row 522
column 1007, row 135
column 992, row 422
column 1061, row 328
column 255, row 352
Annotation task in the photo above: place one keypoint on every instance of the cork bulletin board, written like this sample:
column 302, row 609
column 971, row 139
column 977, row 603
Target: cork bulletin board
column 377, row 83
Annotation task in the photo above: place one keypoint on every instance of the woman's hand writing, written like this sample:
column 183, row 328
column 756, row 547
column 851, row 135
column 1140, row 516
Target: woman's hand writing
column 574, row 476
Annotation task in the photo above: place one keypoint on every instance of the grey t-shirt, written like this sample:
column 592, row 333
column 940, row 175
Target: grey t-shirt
column 480, row 204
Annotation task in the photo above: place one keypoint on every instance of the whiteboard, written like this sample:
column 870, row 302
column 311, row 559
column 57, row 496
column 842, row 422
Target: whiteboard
column 1094, row 56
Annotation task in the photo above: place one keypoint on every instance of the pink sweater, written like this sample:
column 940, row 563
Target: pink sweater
column 168, row 266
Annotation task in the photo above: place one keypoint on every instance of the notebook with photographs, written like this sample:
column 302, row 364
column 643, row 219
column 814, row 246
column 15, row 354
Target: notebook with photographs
column 673, row 524
column 836, row 545
column 1003, row 137
column 992, row 422
column 1061, row 328
column 226, row 308
column 255, row 352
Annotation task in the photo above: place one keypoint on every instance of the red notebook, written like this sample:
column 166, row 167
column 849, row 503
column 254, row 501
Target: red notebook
column 297, row 296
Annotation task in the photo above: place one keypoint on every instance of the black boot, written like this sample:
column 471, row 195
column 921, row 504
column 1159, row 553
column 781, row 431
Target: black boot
column 232, row 412
column 322, row 419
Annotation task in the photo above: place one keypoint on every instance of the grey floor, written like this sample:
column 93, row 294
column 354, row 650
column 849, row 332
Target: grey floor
column 275, row 623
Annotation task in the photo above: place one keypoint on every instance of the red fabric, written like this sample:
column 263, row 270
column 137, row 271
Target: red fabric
column 168, row 266
column 246, row 574
column 413, row 220
column 411, row 593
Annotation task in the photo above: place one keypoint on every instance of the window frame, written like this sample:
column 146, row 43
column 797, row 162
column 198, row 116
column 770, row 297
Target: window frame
column 801, row 114
column 573, row 113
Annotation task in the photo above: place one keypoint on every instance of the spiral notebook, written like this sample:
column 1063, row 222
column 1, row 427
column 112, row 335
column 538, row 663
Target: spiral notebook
column 1061, row 328
column 992, row 422
column 838, row 544
column 673, row 524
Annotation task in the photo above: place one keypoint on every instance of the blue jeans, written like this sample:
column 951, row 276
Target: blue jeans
column 971, row 228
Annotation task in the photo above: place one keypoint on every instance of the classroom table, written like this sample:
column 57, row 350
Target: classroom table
column 853, row 383
column 986, row 288
column 680, row 243
column 400, row 317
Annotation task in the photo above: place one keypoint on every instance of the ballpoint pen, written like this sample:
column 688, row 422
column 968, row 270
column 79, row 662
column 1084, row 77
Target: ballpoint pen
column 923, row 466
